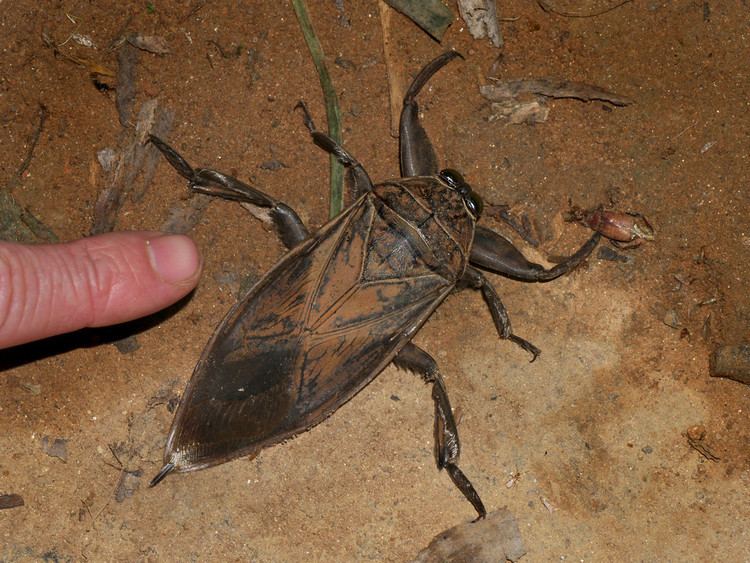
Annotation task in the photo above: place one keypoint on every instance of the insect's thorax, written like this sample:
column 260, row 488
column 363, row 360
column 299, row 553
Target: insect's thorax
column 431, row 218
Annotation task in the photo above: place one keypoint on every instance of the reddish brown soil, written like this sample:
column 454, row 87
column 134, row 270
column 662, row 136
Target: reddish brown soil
column 597, row 427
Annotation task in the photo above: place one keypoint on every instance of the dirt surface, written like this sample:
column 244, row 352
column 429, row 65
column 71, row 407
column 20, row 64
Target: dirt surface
column 589, row 447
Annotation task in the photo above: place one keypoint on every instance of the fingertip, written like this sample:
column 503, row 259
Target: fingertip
column 175, row 259
column 97, row 281
column 145, row 272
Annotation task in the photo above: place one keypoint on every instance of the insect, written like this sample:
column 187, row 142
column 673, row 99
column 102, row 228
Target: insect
column 344, row 303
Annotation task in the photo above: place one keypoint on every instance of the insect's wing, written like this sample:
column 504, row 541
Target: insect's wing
column 316, row 329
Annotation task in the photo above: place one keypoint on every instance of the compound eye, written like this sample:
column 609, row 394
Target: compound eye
column 474, row 204
column 452, row 177
column 471, row 199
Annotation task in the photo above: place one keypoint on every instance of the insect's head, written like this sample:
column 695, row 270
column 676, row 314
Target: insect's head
column 471, row 199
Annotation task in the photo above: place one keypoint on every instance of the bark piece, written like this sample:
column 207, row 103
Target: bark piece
column 732, row 362
column 500, row 90
column 481, row 19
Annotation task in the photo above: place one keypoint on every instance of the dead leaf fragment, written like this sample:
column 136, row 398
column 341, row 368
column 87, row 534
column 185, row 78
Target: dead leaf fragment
column 55, row 447
column 151, row 43
column 128, row 484
column 431, row 15
column 495, row 538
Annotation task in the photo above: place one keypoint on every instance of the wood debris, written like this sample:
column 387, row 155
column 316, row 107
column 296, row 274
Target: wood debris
column 732, row 362
column 500, row 90
column 123, row 165
column 127, row 60
column 696, row 437
column 526, row 101
column 481, row 19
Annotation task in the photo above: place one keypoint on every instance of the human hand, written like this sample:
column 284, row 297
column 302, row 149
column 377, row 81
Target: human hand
column 98, row 281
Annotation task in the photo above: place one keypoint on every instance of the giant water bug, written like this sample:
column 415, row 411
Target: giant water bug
column 344, row 303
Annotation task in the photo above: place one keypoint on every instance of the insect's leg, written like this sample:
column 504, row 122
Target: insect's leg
column 495, row 253
column 447, row 447
column 474, row 279
column 360, row 180
column 289, row 226
column 416, row 153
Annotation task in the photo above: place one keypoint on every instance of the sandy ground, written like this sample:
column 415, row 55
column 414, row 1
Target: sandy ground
column 595, row 432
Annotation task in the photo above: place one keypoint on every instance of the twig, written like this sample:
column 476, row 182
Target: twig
column 114, row 455
column 16, row 179
column 544, row 5
column 395, row 83
column 39, row 229
column 88, row 509
column 98, row 513
column 194, row 9
column 332, row 106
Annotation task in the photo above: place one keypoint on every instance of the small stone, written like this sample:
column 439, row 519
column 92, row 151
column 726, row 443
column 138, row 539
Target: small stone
column 127, row 345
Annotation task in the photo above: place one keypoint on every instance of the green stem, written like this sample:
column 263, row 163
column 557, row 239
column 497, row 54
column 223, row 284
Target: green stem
column 332, row 105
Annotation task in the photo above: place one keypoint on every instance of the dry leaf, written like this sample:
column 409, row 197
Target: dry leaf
column 495, row 538
column 151, row 43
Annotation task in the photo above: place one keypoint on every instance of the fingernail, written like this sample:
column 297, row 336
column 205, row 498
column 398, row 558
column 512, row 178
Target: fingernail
column 174, row 258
